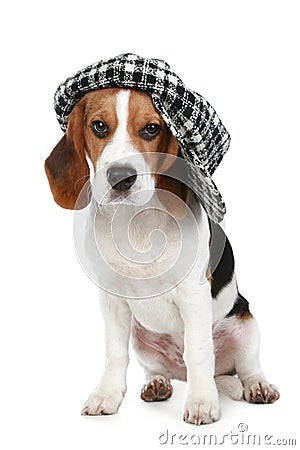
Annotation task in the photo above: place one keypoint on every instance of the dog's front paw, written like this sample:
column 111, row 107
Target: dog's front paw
column 203, row 410
column 102, row 403
column 261, row 392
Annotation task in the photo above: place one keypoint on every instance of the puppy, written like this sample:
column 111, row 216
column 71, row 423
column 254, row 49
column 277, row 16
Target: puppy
column 165, row 270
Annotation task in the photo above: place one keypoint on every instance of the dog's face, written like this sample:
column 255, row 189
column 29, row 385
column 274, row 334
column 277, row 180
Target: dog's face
column 129, row 147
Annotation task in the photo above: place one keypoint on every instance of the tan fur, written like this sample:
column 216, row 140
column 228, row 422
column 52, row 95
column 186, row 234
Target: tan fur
column 66, row 167
column 209, row 275
column 99, row 105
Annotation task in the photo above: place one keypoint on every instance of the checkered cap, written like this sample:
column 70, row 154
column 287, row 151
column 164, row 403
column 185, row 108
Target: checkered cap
column 192, row 120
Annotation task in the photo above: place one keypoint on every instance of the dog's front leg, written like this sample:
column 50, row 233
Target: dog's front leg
column 202, row 402
column 108, row 396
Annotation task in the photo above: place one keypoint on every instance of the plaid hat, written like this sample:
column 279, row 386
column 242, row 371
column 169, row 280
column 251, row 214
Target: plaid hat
column 192, row 120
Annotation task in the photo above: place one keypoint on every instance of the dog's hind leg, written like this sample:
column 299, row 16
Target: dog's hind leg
column 237, row 342
column 256, row 387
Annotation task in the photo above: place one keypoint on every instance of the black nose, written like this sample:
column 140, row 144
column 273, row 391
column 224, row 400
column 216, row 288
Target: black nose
column 121, row 178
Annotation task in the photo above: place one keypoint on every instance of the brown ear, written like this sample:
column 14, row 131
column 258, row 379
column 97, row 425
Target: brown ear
column 67, row 168
column 171, row 180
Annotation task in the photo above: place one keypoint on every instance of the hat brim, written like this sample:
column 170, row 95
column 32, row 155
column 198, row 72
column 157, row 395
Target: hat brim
column 207, row 192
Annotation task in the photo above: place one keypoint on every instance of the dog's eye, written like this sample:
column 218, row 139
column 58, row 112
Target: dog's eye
column 152, row 128
column 150, row 131
column 100, row 128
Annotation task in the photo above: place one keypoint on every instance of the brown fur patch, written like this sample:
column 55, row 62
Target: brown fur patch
column 209, row 275
column 100, row 105
column 66, row 167
column 245, row 316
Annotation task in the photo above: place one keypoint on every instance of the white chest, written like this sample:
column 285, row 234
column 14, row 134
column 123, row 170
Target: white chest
column 140, row 252
column 159, row 314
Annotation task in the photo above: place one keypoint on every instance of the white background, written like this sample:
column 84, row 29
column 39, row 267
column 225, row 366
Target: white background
column 243, row 56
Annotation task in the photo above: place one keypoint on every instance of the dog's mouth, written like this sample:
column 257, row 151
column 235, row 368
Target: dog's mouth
column 130, row 197
column 116, row 197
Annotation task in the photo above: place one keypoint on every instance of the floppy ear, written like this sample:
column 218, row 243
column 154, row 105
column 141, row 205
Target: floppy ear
column 169, row 181
column 67, row 168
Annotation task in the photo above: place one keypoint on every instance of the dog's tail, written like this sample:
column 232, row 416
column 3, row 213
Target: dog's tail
column 230, row 386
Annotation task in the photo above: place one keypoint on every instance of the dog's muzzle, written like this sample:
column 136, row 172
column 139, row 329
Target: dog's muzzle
column 121, row 178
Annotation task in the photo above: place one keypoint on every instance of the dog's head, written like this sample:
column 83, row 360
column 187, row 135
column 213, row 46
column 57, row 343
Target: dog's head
column 131, row 150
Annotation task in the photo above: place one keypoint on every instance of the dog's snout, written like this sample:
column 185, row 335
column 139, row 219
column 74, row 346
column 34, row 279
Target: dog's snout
column 121, row 178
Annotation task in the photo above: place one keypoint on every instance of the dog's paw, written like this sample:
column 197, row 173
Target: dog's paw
column 202, row 411
column 158, row 389
column 102, row 403
column 261, row 392
column 230, row 386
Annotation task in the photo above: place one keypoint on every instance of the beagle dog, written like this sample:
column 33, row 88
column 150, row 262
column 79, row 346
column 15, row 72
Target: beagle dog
column 165, row 271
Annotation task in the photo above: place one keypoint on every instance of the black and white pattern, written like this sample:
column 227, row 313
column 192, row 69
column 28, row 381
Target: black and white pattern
column 192, row 120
